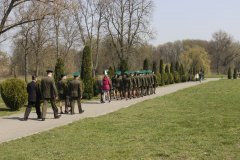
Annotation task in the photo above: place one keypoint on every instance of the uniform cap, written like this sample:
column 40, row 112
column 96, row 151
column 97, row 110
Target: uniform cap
column 49, row 71
column 76, row 74
column 119, row 73
column 63, row 74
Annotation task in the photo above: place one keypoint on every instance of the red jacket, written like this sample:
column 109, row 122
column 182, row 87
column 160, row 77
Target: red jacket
column 106, row 84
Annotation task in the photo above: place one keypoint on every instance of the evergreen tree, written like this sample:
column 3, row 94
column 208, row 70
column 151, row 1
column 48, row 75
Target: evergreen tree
column 146, row 64
column 162, row 72
column 124, row 66
column 155, row 67
column 177, row 66
column 229, row 73
column 86, row 73
column 182, row 70
column 172, row 68
column 203, row 73
column 166, row 69
column 111, row 72
column 235, row 73
column 59, row 69
column 190, row 71
column 194, row 70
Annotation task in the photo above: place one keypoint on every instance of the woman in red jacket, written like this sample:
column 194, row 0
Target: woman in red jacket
column 106, row 88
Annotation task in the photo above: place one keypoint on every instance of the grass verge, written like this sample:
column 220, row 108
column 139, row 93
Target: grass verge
column 215, row 76
column 200, row 122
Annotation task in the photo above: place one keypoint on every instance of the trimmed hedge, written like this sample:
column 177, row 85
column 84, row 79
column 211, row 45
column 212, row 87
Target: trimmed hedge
column 158, row 78
column 170, row 78
column 95, row 87
column 14, row 93
column 176, row 77
column 184, row 78
column 165, row 78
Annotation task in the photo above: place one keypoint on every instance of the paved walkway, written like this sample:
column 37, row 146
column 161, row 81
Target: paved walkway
column 13, row 127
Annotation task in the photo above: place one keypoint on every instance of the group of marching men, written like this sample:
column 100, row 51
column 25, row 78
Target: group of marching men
column 134, row 84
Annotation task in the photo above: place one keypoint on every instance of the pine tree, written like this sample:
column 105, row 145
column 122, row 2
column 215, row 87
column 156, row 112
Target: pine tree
column 155, row 67
column 86, row 73
column 190, row 71
column 146, row 64
column 182, row 70
column 229, row 73
column 166, row 69
column 124, row 66
column 177, row 66
column 162, row 72
column 59, row 69
column 235, row 73
column 172, row 68
column 111, row 72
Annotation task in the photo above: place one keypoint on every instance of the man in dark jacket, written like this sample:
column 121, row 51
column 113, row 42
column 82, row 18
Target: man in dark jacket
column 34, row 97
column 75, row 92
column 49, row 92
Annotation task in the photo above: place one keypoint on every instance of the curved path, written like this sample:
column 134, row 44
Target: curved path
column 13, row 126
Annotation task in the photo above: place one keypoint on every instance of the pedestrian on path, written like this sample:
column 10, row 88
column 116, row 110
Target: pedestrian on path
column 196, row 76
column 100, row 85
column 62, row 91
column 49, row 92
column 106, row 88
column 75, row 92
column 34, row 97
column 200, row 76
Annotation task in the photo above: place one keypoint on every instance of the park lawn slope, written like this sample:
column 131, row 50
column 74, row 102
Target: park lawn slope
column 200, row 122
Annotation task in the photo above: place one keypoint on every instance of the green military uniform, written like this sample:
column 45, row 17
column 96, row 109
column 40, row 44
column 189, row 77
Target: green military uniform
column 49, row 92
column 113, row 83
column 62, row 89
column 75, row 92
column 134, row 83
column 119, row 84
column 146, row 84
column 142, row 84
column 152, row 80
column 155, row 83
column 127, row 84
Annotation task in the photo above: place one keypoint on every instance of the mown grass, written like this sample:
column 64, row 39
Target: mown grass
column 216, row 76
column 200, row 122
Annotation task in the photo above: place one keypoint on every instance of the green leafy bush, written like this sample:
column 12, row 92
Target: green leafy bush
column 146, row 64
column 59, row 69
column 95, row 87
column 14, row 93
column 155, row 66
column 158, row 78
column 184, row 78
column 161, row 71
column 166, row 78
column 176, row 77
column 170, row 78
column 111, row 71
column 82, row 84
column 235, row 73
column 229, row 73
column 123, row 66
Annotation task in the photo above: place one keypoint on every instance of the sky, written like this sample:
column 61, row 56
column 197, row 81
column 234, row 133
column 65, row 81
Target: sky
column 190, row 19
column 195, row 19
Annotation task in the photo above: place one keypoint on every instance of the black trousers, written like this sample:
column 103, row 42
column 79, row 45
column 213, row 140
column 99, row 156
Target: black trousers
column 29, row 108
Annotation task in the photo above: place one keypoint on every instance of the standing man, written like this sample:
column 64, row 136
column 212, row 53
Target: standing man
column 62, row 91
column 127, row 85
column 49, row 92
column 119, row 85
column 34, row 97
column 155, row 82
column 200, row 77
column 75, row 92
column 134, row 85
column 114, row 84
column 142, row 83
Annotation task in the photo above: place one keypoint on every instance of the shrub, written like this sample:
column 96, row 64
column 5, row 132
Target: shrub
column 146, row 64
column 95, row 87
column 158, row 78
column 235, row 73
column 229, row 73
column 166, row 78
column 82, row 84
column 86, row 73
column 166, row 69
column 111, row 72
column 176, row 77
column 155, row 66
column 170, row 78
column 124, row 66
column 14, row 93
column 184, row 78
column 162, row 72
column 59, row 69
column 177, row 66
column 194, row 70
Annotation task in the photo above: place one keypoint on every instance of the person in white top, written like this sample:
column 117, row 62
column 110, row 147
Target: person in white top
column 196, row 76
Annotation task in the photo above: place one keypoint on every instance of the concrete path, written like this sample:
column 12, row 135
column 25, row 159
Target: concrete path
column 13, row 127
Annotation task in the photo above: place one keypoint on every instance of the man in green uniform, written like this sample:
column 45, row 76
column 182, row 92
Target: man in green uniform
column 127, row 85
column 119, row 85
column 49, row 92
column 146, row 82
column 134, row 85
column 114, row 85
column 75, row 92
column 137, row 83
column 155, row 82
column 149, row 82
column 142, row 83
column 62, row 91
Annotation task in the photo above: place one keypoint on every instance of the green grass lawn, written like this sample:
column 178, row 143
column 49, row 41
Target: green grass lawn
column 215, row 76
column 200, row 122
